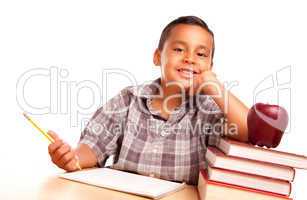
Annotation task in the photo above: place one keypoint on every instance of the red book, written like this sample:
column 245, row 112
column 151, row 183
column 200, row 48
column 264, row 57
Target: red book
column 213, row 190
column 218, row 159
column 243, row 150
column 249, row 181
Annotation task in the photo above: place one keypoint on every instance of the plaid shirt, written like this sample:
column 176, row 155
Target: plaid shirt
column 143, row 142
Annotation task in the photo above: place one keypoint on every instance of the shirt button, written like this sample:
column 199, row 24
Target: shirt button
column 163, row 133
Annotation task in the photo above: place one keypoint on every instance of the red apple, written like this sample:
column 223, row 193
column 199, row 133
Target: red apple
column 266, row 124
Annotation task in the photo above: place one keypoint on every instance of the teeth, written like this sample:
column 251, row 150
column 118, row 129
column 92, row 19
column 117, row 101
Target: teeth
column 187, row 70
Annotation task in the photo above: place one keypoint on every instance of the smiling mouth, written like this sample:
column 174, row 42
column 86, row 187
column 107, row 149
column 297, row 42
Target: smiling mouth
column 187, row 72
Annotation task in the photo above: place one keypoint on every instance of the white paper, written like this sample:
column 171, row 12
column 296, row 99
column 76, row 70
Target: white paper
column 125, row 182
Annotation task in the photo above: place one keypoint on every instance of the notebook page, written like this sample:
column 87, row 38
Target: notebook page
column 125, row 182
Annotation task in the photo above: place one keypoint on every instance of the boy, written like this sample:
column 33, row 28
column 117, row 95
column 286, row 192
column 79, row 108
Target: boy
column 162, row 129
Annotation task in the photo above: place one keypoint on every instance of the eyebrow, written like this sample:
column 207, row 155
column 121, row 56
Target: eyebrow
column 184, row 43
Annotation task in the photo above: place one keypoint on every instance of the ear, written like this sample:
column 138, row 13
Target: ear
column 157, row 58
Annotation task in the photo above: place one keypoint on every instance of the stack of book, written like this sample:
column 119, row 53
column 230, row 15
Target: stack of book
column 242, row 171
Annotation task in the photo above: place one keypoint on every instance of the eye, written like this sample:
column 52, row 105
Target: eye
column 178, row 49
column 202, row 55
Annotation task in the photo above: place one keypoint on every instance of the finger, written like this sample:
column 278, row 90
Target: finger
column 209, row 73
column 65, row 148
column 71, row 165
column 54, row 146
column 66, row 158
column 53, row 135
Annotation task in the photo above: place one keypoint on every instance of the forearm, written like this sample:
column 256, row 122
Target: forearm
column 87, row 158
column 235, row 111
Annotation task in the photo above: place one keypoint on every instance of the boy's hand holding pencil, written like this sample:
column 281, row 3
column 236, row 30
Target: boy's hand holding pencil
column 62, row 154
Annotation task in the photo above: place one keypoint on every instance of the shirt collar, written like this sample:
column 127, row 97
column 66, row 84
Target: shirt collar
column 148, row 89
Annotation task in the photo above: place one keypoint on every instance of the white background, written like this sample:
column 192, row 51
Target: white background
column 253, row 40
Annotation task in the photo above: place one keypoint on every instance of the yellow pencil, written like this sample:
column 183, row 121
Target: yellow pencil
column 38, row 128
column 47, row 135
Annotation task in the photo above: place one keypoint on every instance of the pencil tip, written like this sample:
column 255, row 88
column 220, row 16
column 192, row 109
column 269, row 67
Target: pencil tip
column 25, row 115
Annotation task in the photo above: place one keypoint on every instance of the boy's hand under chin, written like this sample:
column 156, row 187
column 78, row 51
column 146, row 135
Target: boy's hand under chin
column 204, row 83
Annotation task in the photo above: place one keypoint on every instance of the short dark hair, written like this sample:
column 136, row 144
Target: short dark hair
column 190, row 20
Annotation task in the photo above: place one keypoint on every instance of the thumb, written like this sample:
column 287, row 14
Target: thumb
column 53, row 135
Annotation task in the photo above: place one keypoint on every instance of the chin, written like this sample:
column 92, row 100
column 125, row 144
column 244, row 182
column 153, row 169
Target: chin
column 181, row 83
column 186, row 83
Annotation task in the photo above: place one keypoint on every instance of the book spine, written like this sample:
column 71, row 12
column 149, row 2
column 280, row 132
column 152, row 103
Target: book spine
column 205, row 176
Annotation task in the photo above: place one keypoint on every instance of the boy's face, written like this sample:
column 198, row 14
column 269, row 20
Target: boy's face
column 186, row 54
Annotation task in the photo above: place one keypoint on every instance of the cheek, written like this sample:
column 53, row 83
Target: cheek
column 206, row 64
column 170, row 60
column 170, row 66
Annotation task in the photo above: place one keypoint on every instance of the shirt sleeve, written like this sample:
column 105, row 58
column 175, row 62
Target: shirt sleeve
column 105, row 128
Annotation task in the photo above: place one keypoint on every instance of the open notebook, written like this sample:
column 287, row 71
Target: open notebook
column 126, row 182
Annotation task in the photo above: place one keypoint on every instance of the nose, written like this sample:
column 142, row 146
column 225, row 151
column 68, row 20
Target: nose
column 188, row 59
